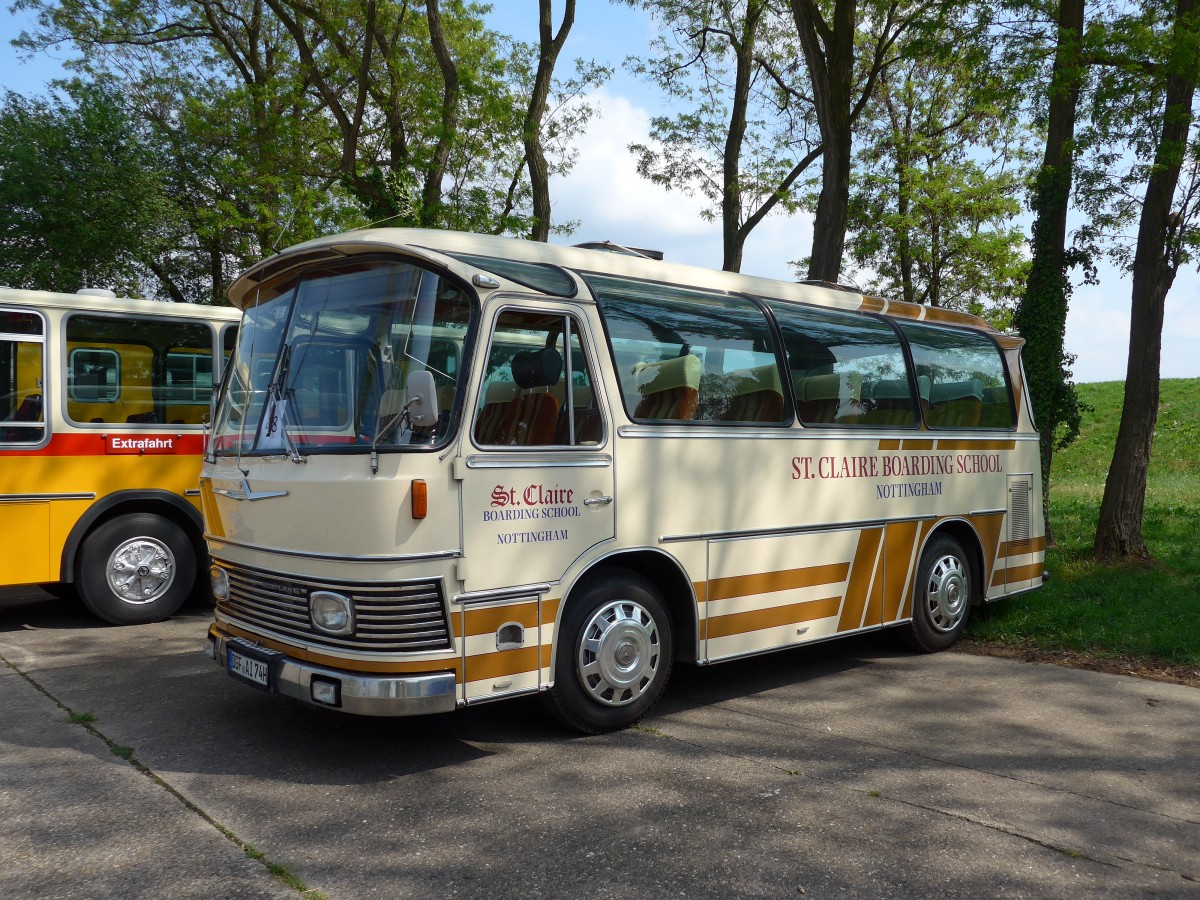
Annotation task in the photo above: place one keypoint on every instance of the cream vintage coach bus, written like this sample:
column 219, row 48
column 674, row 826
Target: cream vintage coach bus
column 447, row 469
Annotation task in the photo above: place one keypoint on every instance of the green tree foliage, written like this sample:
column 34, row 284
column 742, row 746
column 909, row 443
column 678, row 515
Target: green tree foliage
column 938, row 178
column 289, row 118
column 83, row 193
column 743, row 135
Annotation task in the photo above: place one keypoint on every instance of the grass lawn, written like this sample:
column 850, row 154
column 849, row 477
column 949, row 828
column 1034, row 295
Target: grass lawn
column 1128, row 617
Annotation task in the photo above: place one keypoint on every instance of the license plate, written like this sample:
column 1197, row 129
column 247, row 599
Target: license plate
column 255, row 671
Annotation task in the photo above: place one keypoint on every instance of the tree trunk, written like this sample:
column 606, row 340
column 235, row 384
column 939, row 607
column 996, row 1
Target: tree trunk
column 732, row 237
column 535, row 157
column 431, row 196
column 1155, row 262
column 1041, row 316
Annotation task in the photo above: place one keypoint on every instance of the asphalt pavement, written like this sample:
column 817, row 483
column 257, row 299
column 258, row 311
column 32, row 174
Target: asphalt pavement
column 848, row 769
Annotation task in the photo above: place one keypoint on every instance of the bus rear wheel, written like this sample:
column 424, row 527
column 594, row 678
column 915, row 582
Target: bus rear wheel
column 136, row 568
column 941, row 596
column 614, row 654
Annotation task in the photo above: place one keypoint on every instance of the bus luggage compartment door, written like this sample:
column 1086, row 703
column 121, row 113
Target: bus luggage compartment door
column 25, row 539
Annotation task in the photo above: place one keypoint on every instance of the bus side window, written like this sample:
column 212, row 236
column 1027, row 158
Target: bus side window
column 846, row 369
column 698, row 356
column 22, row 401
column 534, row 389
column 138, row 370
column 968, row 387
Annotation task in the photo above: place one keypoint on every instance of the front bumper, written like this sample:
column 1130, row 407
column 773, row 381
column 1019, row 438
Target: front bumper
column 360, row 694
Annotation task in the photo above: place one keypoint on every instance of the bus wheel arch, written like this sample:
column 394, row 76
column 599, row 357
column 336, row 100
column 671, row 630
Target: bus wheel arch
column 946, row 585
column 151, row 530
column 614, row 651
column 671, row 581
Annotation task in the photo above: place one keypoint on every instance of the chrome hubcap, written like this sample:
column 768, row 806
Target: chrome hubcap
column 947, row 593
column 618, row 653
column 140, row 570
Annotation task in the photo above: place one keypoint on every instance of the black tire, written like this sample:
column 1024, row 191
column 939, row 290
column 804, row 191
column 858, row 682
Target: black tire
column 942, row 596
column 136, row 568
column 614, row 655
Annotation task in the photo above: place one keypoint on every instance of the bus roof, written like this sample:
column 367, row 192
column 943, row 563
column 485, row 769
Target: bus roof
column 104, row 304
column 434, row 245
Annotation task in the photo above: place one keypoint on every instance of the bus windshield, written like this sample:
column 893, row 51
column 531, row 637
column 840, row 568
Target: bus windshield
column 324, row 359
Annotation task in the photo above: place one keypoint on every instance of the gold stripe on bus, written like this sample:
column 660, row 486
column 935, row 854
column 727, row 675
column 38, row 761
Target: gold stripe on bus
column 758, row 619
column 890, row 445
column 872, row 304
column 899, row 551
column 770, row 582
column 917, row 445
column 976, row 445
column 483, row 621
column 989, row 528
column 861, row 578
column 504, row 662
column 701, row 589
column 550, row 610
column 429, row 667
column 212, row 516
column 1020, row 548
column 1018, row 573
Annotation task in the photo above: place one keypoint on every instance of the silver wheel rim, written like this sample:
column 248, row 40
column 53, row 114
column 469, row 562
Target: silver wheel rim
column 946, row 593
column 140, row 570
column 619, row 653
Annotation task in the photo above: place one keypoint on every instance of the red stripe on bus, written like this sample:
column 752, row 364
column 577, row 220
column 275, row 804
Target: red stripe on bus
column 76, row 444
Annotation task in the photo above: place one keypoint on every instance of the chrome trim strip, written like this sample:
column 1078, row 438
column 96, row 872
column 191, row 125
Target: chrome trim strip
column 809, row 643
column 347, row 557
column 437, row 657
column 22, row 498
column 796, row 433
column 488, row 698
column 512, row 594
column 987, row 512
column 790, row 529
column 1036, row 587
column 364, row 695
column 540, row 461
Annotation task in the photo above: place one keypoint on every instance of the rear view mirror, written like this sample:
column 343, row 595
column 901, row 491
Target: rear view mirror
column 422, row 399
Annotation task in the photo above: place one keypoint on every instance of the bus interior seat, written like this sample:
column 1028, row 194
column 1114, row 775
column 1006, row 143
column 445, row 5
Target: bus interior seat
column 757, row 396
column 956, row 404
column 669, row 388
column 889, row 401
column 142, row 418
column 496, row 398
column 531, row 417
column 589, row 426
column 825, row 399
column 30, row 410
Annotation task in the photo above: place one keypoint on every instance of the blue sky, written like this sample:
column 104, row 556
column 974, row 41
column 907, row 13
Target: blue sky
column 606, row 195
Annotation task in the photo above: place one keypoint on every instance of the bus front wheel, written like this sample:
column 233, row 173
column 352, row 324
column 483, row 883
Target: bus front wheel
column 941, row 596
column 615, row 649
column 136, row 568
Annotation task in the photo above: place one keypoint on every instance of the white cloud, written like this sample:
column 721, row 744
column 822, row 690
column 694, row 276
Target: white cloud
column 612, row 202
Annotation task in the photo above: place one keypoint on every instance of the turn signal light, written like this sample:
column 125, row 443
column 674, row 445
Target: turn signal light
column 420, row 499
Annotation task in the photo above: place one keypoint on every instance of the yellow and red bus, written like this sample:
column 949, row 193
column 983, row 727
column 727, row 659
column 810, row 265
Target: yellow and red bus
column 448, row 469
column 103, row 404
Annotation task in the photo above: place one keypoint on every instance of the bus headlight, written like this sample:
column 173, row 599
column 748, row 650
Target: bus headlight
column 331, row 613
column 220, row 582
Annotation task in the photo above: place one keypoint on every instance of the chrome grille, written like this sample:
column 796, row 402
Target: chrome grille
column 404, row 616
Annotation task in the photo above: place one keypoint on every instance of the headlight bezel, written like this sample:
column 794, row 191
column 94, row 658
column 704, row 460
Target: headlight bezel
column 331, row 613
